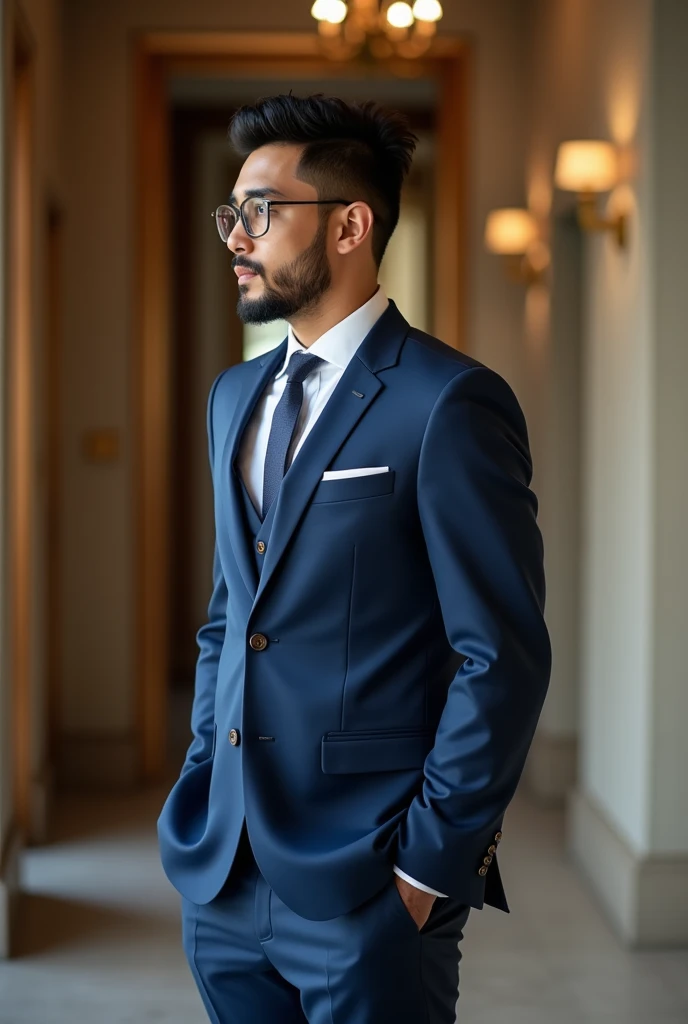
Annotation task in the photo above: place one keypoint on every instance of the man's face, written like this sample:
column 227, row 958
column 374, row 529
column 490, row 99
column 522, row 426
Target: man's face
column 290, row 261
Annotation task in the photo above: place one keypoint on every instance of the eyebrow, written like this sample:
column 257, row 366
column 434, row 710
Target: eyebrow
column 258, row 193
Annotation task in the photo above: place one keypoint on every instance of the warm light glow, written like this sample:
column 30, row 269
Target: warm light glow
column 427, row 10
column 586, row 166
column 399, row 14
column 539, row 185
column 510, row 230
column 333, row 11
column 538, row 255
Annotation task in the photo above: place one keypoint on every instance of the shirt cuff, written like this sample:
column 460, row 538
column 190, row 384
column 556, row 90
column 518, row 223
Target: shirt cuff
column 418, row 885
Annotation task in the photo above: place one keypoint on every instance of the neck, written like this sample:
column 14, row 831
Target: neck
column 332, row 310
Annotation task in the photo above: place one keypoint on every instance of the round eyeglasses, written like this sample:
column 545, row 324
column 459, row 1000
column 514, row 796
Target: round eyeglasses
column 255, row 214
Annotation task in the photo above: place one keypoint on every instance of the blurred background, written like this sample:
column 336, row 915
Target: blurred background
column 540, row 232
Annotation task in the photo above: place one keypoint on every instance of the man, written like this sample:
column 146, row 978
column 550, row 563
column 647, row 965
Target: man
column 375, row 658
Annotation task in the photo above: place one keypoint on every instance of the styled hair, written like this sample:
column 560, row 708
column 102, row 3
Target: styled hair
column 355, row 151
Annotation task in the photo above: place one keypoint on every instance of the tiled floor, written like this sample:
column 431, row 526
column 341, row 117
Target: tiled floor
column 100, row 934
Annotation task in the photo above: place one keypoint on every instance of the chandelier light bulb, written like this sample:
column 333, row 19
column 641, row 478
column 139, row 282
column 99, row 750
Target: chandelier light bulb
column 399, row 14
column 427, row 10
column 333, row 11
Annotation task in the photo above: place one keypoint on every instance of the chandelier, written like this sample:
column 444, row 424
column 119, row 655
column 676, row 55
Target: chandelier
column 376, row 29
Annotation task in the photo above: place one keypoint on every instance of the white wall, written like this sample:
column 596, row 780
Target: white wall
column 98, row 143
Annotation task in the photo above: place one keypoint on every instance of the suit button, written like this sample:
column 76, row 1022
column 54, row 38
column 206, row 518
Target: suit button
column 234, row 737
column 492, row 849
column 498, row 837
column 482, row 870
column 258, row 642
column 260, row 546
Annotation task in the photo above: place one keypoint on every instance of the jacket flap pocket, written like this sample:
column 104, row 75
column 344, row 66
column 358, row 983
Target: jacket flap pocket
column 354, row 487
column 342, row 752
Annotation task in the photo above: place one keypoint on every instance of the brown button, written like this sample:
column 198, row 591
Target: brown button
column 234, row 737
column 260, row 546
column 482, row 870
column 487, row 860
column 258, row 642
column 498, row 836
column 492, row 849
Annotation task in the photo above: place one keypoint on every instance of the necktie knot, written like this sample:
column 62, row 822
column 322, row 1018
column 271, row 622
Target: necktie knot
column 301, row 365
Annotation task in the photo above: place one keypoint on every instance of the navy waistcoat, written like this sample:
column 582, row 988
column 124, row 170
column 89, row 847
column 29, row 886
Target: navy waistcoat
column 257, row 529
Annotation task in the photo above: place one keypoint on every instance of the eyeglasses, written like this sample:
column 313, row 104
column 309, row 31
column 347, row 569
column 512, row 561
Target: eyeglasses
column 255, row 214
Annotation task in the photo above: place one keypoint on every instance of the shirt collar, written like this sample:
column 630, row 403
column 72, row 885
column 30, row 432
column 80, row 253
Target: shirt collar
column 339, row 343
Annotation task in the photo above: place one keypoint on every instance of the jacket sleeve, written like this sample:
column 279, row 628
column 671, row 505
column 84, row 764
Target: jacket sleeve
column 209, row 638
column 478, row 517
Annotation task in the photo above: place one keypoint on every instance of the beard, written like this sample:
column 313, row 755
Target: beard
column 297, row 286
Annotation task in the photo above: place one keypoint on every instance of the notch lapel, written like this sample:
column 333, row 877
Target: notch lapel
column 343, row 410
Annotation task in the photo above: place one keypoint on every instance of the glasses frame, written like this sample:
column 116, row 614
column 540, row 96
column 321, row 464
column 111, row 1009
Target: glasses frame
column 269, row 203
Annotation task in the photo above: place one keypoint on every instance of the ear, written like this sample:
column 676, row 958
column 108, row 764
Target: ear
column 354, row 226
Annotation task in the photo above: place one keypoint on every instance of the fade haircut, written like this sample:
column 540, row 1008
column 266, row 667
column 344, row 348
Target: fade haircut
column 354, row 151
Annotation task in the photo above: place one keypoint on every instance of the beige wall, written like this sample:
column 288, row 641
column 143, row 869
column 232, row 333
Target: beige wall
column 590, row 80
column 97, row 514
column 667, row 826
column 614, row 70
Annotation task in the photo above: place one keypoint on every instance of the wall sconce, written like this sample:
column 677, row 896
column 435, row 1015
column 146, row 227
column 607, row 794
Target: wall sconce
column 588, row 167
column 512, row 233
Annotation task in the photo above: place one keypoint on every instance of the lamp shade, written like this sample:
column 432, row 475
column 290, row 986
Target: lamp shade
column 510, row 230
column 586, row 166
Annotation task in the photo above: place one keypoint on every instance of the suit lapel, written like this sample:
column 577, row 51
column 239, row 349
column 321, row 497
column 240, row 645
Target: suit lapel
column 343, row 410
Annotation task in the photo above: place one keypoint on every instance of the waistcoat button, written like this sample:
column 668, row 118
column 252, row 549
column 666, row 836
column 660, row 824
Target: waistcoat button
column 258, row 642
column 234, row 737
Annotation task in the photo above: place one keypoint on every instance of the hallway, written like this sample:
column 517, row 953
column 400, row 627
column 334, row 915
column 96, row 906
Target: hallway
column 99, row 937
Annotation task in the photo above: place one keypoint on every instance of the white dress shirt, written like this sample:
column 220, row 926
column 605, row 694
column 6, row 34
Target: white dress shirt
column 336, row 347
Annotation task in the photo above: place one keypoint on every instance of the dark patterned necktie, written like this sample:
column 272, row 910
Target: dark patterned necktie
column 284, row 423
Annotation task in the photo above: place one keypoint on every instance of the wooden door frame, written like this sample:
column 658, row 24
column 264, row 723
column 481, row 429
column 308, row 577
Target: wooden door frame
column 157, row 56
column 21, row 410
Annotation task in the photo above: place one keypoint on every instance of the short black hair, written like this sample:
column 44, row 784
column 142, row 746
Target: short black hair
column 351, row 150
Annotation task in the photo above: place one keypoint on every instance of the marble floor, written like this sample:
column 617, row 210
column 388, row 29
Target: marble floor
column 99, row 937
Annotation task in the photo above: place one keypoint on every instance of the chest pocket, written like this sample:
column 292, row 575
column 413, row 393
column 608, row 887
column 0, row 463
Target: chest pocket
column 354, row 487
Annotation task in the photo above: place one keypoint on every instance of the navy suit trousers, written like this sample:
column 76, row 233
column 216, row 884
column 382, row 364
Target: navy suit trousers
column 255, row 961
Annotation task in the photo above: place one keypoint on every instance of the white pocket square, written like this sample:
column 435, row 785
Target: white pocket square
column 342, row 474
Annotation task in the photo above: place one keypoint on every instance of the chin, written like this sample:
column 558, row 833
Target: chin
column 255, row 312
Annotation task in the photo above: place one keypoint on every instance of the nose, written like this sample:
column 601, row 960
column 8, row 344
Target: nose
column 237, row 241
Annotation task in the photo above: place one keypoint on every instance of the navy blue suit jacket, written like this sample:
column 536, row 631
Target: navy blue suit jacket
column 407, row 658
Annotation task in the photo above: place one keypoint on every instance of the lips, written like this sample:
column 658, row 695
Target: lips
column 244, row 272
